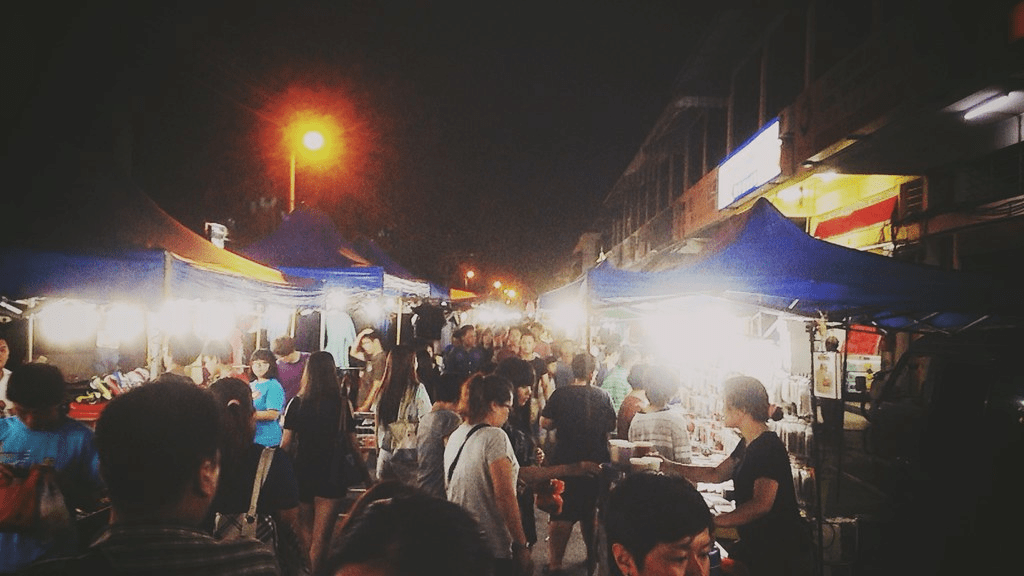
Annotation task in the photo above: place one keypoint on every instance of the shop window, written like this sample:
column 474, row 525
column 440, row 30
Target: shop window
column 912, row 197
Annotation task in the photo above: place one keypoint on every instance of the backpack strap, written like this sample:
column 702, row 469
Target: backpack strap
column 261, row 476
column 451, row 469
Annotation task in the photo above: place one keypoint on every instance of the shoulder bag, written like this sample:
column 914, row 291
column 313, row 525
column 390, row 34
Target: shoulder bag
column 451, row 469
column 403, row 429
column 403, row 433
column 347, row 467
column 250, row 524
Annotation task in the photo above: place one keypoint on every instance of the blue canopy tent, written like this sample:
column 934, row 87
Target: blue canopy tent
column 398, row 280
column 147, row 257
column 305, row 239
column 760, row 257
column 308, row 244
column 123, row 248
column 143, row 276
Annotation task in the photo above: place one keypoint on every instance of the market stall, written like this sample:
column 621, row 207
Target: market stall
column 119, row 293
column 766, row 299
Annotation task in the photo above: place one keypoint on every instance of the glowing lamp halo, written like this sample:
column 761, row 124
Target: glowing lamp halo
column 313, row 140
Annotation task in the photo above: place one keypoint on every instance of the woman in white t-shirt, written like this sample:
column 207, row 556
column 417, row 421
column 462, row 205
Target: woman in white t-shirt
column 481, row 472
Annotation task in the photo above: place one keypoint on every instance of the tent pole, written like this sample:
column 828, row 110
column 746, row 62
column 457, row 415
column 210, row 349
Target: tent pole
column 31, row 335
column 259, row 324
column 398, row 328
column 152, row 362
column 158, row 360
column 323, row 327
column 842, row 420
column 816, row 456
column 588, row 310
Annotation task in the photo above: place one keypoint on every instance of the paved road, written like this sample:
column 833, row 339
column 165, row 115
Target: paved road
column 575, row 561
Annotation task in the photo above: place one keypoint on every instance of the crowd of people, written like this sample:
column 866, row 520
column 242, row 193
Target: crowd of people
column 466, row 441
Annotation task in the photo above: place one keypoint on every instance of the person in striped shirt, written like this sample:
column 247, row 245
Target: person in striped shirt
column 665, row 427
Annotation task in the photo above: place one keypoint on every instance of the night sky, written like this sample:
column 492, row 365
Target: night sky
column 475, row 134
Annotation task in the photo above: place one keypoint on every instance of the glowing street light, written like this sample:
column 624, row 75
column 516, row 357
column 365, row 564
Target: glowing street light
column 497, row 284
column 469, row 276
column 313, row 140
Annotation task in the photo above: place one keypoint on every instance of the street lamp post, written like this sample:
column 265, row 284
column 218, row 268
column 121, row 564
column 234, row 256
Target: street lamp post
column 313, row 141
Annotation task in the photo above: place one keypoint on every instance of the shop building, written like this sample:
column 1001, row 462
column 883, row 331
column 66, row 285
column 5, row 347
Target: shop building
column 889, row 127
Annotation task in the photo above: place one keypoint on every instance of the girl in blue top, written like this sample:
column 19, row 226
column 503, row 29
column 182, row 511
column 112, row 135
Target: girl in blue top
column 267, row 397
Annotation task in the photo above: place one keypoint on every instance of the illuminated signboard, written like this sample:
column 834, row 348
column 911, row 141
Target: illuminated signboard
column 755, row 163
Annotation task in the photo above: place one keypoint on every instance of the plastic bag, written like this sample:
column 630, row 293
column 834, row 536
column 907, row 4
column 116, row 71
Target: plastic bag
column 549, row 496
column 31, row 501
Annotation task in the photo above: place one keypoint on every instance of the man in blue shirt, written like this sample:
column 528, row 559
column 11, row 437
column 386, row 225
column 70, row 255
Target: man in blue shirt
column 465, row 359
column 39, row 434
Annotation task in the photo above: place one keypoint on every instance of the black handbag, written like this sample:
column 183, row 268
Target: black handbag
column 347, row 468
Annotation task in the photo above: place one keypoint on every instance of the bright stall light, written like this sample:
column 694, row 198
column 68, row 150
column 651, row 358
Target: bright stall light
column 175, row 318
column 710, row 339
column 993, row 104
column 707, row 331
column 337, row 300
column 498, row 314
column 69, row 321
column 277, row 319
column 485, row 315
column 374, row 309
column 568, row 318
column 791, row 194
column 244, row 307
column 124, row 321
column 214, row 320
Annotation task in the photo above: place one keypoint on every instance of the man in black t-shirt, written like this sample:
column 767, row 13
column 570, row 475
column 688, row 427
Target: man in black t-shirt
column 582, row 418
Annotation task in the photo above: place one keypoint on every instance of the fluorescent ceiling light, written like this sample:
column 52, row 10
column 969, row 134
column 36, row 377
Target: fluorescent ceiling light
column 991, row 105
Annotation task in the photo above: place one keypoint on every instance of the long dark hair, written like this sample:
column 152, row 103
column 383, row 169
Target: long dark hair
column 399, row 378
column 234, row 400
column 320, row 379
